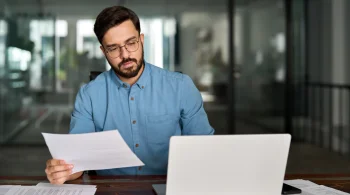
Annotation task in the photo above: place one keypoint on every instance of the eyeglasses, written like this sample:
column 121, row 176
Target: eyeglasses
column 130, row 46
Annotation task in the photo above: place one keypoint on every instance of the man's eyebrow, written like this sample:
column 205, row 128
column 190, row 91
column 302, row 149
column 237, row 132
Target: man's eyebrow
column 114, row 45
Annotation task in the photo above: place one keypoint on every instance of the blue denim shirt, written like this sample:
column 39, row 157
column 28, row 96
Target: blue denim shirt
column 159, row 105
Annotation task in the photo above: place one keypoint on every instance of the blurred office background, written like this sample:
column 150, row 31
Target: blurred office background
column 262, row 66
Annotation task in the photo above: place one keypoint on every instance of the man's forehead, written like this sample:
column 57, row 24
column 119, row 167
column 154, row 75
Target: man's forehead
column 110, row 44
column 120, row 33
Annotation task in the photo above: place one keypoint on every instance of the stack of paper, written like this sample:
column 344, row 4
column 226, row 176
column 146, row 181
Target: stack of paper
column 43, row 184
column 4, row 189
column 300, row 183
column 48, row 189
column 310, row 188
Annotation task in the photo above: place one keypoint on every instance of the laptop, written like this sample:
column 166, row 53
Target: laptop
column 226, row 165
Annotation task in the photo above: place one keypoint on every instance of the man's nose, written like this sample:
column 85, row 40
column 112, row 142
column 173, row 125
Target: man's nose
column 124, row 53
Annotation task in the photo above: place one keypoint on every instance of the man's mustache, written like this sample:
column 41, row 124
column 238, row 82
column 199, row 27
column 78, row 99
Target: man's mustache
column 127, row 60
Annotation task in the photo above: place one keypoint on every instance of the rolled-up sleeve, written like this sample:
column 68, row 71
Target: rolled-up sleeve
column 81, row 118
column 194, row 119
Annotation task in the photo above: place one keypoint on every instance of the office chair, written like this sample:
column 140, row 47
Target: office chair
column 94, row 74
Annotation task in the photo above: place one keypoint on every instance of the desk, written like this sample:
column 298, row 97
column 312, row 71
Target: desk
column 142, row 185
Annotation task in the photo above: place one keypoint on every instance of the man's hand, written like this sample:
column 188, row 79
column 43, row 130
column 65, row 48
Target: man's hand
column 57, row 171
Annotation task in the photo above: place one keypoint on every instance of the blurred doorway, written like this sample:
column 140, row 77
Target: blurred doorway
column 259, row 65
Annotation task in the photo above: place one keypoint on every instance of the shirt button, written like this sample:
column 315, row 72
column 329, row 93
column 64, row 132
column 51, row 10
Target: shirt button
column 137, row 145
column 132, row 98
column 140, row 168
column 125, row 86
column 143, row 87
column 133, row 122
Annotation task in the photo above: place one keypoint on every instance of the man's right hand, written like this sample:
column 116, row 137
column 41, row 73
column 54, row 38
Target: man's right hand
column 57, row 171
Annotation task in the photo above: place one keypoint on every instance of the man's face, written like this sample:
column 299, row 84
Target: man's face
column 128, row 60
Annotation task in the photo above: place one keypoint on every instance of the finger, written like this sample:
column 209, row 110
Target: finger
column 61, row 174
column 54, row 162
column 58, row 168
column 58, row 175
column 58, row 181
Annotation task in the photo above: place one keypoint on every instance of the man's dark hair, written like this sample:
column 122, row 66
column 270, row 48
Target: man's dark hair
column 113, row 16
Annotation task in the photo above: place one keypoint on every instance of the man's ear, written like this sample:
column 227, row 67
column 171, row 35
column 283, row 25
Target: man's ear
column 142, row 37
column 103, row 50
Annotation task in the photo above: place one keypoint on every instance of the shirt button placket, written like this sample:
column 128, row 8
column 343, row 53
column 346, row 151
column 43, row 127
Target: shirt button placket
column 134, row 120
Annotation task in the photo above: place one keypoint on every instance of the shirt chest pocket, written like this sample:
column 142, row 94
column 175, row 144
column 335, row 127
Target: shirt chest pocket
column 161, row 127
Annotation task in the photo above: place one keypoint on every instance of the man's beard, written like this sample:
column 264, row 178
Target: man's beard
column 129, row 72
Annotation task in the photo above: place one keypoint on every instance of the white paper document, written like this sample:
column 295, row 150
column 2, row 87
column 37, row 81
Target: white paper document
column 300, row 183
column 323, row 190
column 35, row 190
column 45, row 184
column 5, row 188
column 92, row 151
column 310, row 188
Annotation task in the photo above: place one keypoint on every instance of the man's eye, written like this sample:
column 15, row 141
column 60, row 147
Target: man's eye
column 132, row 43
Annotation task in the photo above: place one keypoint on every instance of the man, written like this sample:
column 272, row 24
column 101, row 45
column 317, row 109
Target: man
column 145, row 103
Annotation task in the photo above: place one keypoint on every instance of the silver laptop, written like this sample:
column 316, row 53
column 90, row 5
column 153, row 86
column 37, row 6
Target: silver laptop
column 226, row 164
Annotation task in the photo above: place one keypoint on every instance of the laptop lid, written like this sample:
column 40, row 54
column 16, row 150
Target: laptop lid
column 227, row 164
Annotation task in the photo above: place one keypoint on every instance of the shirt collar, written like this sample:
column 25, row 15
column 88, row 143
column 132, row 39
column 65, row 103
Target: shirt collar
column 141, row 82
